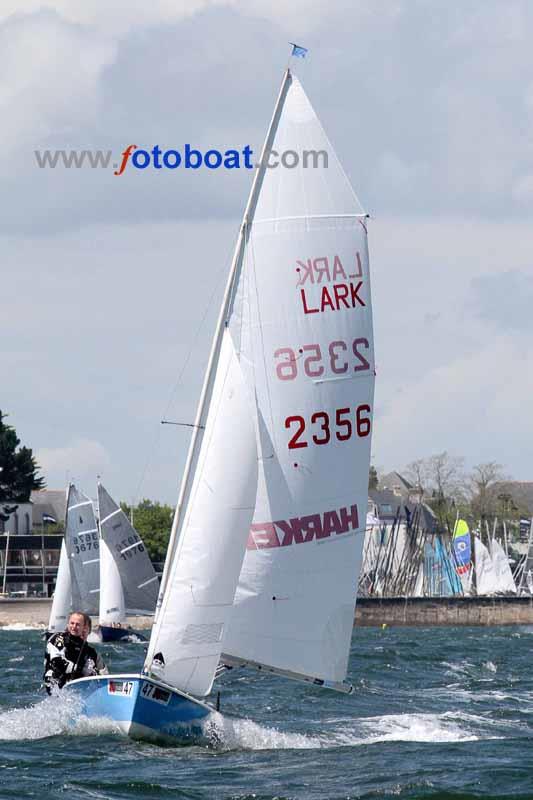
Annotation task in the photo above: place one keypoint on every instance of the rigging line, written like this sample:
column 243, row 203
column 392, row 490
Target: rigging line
column 243, row 282
column 260, row 321
column 157, row 438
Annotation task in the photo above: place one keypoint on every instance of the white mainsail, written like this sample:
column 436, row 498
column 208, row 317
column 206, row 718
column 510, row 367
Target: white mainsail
column 306, row 346
column 289, row 385
column 128, row 581
column 62, row 600
column 83, row 551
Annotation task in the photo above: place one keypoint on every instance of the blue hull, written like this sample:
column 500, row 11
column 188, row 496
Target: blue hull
column 141, row 707
column 110, row 634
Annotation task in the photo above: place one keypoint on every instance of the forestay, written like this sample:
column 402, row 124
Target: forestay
column 82, row 545
column 302, row 323
column 128, row 578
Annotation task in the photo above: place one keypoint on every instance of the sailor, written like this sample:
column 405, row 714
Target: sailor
column 68, row 656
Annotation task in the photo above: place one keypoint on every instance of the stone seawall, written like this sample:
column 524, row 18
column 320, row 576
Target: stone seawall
column 427, row 611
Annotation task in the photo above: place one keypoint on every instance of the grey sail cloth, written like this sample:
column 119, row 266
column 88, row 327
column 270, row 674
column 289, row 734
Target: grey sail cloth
column 139, row 580
column 83, row 550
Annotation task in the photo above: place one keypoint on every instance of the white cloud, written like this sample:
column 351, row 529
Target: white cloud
column 474, row 407
column 80, row 461
column 104, row 279
column 97, row 328
column 115, row 18
column 119, row 19
column 103, row 320
column 522, row 191
column 429, row 113
column 51, row 78
column 453, row 361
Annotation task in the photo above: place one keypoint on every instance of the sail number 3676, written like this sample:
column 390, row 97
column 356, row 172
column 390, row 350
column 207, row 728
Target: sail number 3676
column 347, row 423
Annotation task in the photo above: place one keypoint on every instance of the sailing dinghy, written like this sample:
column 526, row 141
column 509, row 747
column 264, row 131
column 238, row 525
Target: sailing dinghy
column 78, row 574
column 128, row 581
column 266, row 543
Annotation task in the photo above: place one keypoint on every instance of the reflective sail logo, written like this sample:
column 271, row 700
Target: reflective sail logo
column 300, row 530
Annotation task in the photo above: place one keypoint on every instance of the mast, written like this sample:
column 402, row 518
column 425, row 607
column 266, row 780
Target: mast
column 527, row 561
column 225, row 311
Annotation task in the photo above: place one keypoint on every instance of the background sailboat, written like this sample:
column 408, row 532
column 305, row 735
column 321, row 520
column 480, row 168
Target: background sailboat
column 128, row 581
column 78, row 575
column 105, row 572
column 278, row 466
column 504, row 577
column 462, row 554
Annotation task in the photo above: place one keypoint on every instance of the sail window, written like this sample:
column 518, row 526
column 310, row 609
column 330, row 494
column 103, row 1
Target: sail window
column 203, row 634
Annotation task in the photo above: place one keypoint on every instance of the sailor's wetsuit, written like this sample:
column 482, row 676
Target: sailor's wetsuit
column 68, row 657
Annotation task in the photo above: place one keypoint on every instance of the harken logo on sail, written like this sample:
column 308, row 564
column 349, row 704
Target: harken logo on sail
column 299, row 530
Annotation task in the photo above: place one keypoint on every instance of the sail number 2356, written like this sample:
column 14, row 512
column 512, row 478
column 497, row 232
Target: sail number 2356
column 321, row 428
column 342, row 358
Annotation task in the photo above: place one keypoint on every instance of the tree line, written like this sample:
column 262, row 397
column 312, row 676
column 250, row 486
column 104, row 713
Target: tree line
column 19, row 472
column 481, row 494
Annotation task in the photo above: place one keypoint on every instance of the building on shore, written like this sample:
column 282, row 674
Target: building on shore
column 29, row 553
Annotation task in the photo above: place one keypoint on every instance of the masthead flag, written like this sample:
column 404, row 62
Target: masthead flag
column 297, row 51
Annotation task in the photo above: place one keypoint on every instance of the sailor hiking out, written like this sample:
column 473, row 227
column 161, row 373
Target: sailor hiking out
column 68, row 656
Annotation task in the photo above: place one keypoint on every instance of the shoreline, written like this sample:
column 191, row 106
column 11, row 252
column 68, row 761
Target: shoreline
column 34, row 612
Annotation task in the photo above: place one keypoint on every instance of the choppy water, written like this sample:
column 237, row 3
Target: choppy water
column 438, row 713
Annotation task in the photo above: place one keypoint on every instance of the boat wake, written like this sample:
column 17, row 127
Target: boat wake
column 133, row 638
column 22, row 626
column 53, row 716
column 231, row 734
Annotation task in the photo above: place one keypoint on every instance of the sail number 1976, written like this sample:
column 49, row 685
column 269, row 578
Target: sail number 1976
column 347, row 422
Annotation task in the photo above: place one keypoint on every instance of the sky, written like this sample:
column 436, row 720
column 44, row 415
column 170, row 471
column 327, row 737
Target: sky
column 110, row 286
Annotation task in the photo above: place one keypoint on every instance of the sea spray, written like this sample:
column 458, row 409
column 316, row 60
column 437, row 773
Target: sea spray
column 52, row 716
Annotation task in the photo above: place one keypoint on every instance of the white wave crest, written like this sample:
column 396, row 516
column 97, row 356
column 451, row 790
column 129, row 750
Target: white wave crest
column 21, row 626
column 417, row 728
column 230, row 733
column 53, row 716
